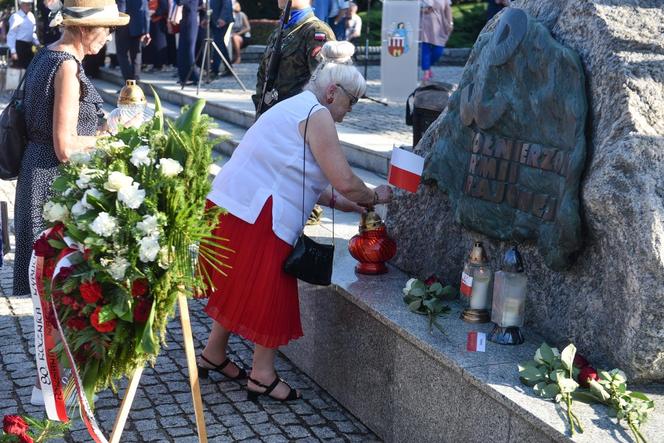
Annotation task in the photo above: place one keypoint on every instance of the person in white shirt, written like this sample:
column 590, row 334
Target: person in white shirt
column 353, row 25
column 22, row 35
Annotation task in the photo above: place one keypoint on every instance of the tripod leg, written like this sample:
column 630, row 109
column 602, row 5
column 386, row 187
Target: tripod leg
column 206, row 54
column 191, row 70
column 228, row 66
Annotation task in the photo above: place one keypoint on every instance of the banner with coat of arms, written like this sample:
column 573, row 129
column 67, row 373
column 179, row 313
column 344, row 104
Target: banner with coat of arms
column 399, row 52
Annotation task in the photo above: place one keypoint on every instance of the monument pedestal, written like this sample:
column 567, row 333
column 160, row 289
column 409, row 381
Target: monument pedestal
column 379, row 360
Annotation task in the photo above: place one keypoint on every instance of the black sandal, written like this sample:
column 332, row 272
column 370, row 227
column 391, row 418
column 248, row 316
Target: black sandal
column 253, row 395
column 205, row 372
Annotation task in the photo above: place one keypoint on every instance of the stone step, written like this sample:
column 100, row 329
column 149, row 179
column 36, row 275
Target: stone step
column 408, row 383
column 364, row 150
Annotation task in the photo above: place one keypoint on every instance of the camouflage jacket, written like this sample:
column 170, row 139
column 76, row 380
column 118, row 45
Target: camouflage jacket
column 300, row 46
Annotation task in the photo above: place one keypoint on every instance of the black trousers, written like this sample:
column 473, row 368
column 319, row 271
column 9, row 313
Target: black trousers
column 128, row 52
column 24, row 54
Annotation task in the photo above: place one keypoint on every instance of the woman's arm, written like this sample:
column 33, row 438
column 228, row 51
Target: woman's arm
column 246, row 27
column 333, row 199
column 66, row 140
column 325, row 146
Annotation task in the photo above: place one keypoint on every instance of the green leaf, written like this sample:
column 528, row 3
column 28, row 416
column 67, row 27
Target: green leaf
column 546, row 390
column 90, row 379
column 60, row 185
column 640, row 396
column 106, row 314
column 57, row 244
column 544, row 354
column 585, row 397
column 417, row 292
column 415, row 306
column 556, row 374
column 567, row 356
column 436, row 288
column 148, row 342
column 530, row 375
column 598, row 391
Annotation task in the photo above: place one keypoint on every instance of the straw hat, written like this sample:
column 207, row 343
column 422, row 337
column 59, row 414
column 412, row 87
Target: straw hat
column 92, row 13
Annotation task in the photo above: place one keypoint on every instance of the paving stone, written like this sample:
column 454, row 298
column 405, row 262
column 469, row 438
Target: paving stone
column 345, row 427
column 313, row 419
column 285, row 419
column 146, row 425
column 275, row 439
column 232, row 420
column 255, row 418
column 241, row 432
column 174, row 421
column 246, row 406
column 334, row 415
column 178, row 432
column 266, row 429
column 167, row 410
column 323, row 432
column 296, row 431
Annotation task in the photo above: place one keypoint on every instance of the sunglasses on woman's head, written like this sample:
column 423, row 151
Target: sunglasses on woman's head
column 353, row 99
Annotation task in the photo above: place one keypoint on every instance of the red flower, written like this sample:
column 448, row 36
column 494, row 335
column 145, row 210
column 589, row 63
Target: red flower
column 90, row 291
column 57, row 232
column 67, row 300
column 49, row 268
column 580, row 361
column 107, row 326
column 586, row 374
column 25, row 438
column 77, row 323
column 431, row 280
column 43, row 248
column 139, row 287
column 142, row 310
column 65, row 272
column 87, row 254
column 14, row 424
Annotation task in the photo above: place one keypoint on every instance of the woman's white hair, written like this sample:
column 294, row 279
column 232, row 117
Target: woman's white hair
column 337, row 68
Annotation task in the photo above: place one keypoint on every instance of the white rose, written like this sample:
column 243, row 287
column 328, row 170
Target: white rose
column 140, row 156
column 80, row 158
column 409, row 285
column 54, row 212
column 149, row 225
column 118, row 267
column 169, row 167
column 93, row 192
column 78, row 209
column 117, row 180
column 104, row 225
column 149, row 249
column 117, row 144
column 131, row 196
column 84, row 177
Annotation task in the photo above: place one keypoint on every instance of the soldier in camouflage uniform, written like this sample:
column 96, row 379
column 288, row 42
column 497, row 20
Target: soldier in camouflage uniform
column 303, row 37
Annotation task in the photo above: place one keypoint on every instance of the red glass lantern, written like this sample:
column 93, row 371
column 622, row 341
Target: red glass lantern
column 372, row 247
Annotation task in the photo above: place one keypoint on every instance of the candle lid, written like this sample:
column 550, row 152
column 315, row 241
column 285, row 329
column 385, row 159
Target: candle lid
column 512, row 261
column 478, row 254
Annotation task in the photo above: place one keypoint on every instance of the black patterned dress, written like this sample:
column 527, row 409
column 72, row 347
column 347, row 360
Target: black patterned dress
column 39, row 167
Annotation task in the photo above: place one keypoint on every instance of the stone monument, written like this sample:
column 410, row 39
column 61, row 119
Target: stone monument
column 594, row 252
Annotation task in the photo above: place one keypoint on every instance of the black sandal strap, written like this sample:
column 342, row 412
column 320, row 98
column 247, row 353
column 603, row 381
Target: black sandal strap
column 269, row 388
column 217, row 367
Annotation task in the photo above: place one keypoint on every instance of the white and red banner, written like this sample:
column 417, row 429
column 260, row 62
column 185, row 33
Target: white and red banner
column 405, row 169
column 47, row 330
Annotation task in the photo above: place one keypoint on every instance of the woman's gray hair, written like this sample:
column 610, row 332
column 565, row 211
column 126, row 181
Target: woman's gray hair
column 337, row 68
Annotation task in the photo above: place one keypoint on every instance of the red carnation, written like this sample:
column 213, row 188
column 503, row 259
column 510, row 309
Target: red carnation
column 67, row 300
column 107, row 326
column 77, row 323
column 580, row 361
column 90, row 291
column 586, row 374
column 14, row 424
column 139, row 287
column 431, row 280
column 142, row 310
column 87, row 254
column 25, row 438
column 43, row 249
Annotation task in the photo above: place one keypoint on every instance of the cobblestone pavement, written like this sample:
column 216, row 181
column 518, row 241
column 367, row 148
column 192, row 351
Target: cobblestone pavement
column 367, row 116
column 162, row 410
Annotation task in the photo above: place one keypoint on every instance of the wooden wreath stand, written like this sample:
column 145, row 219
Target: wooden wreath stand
column 128, row 399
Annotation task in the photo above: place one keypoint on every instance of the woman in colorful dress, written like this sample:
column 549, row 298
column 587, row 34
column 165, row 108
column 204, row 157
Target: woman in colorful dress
column 261, row 187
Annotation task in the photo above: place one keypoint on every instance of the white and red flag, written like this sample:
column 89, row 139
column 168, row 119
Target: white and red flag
column 476, row 342
column 405, row 169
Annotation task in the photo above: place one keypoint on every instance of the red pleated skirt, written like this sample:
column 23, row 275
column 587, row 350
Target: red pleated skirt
column 256, row 298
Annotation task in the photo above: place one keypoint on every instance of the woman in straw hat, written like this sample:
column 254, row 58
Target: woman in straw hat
column 62, row 110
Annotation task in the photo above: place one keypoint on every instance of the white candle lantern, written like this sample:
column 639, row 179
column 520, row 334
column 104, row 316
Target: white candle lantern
column 132, row 110
column 476, row 286
column 509, row 300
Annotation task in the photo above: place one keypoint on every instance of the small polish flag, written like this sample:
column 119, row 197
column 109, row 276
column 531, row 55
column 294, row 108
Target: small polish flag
column 476, row 342
column 405, row 169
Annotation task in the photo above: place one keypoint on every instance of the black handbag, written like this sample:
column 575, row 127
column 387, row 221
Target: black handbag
column 13, row 135
column 310, row 261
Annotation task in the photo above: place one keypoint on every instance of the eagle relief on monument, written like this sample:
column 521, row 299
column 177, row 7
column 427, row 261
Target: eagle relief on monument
column 511, row 148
